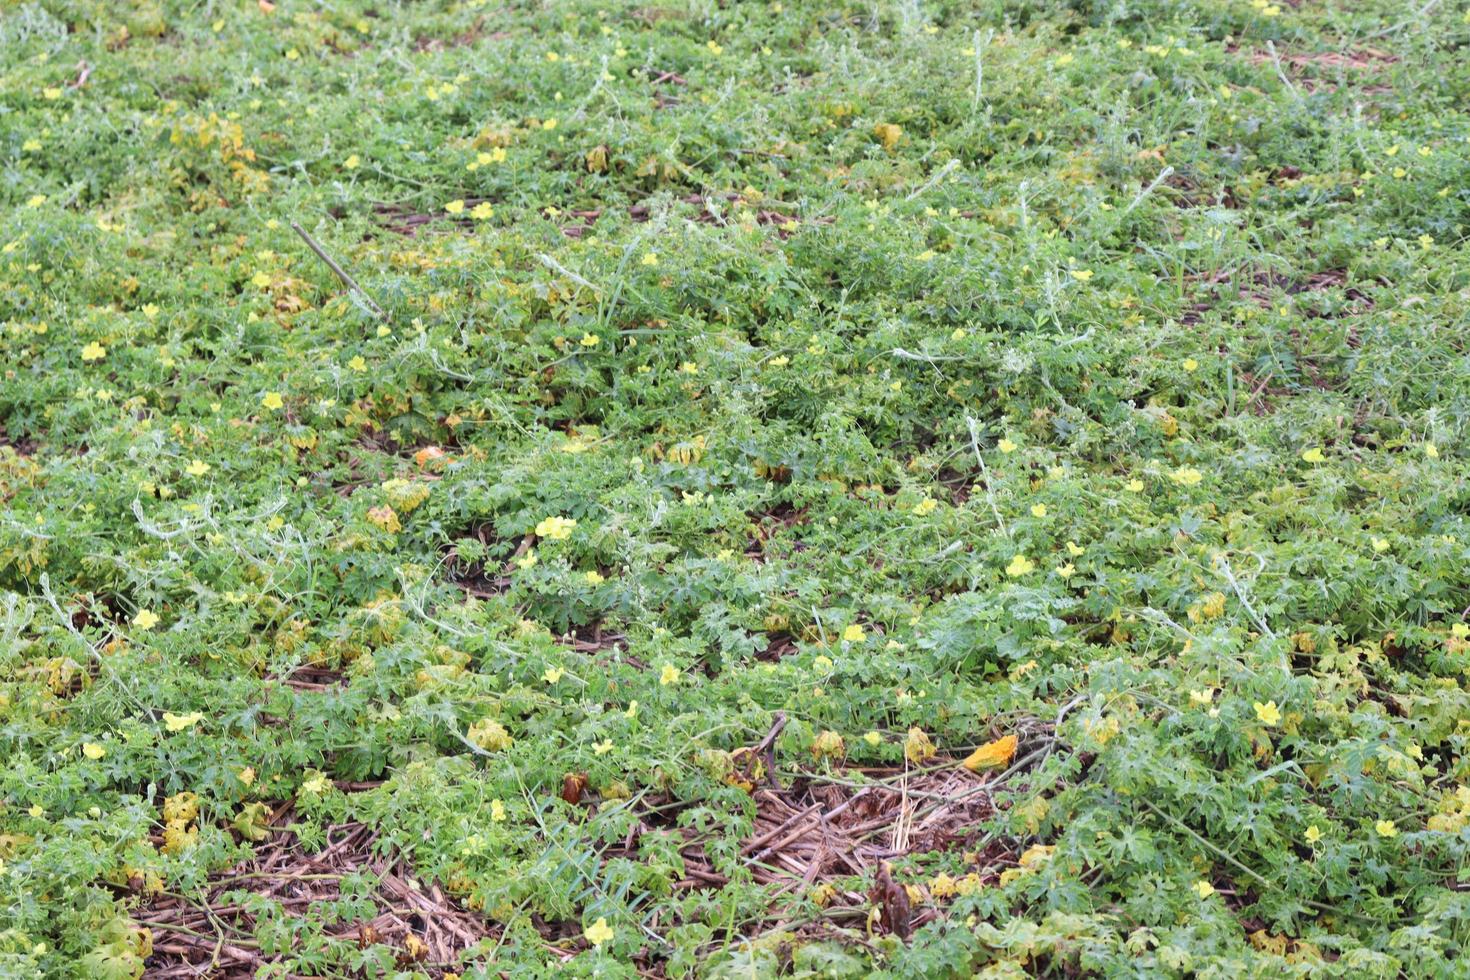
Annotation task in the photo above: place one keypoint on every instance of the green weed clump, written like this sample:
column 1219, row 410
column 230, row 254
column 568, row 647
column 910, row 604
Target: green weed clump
column 729, row 413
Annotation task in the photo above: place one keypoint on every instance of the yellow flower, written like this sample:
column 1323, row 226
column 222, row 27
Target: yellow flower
column 590, row 340
column 1066, row 571
column 272, row 400
column 482, row 211
column 552, row 674
column 94, row 352
column 1268, row 713
column 992, row 755
column 632, row 710
column 1190, row 364
column 261, row 279
column 1204, row 889
column 528, row 560
column 1006, row 446
column 669, row 675
column 598, row 932
column 352, row 162
column 93, row 751
column 1313, row 835
column 497, row 811
column 146, row 619
column 873, row 738
column 1081, row 275
column 603, row 747
column 246, row 776
column 197, row 468
column 316, row 782
column 1313, row 455
column 925, row 507
column 1380, row 545
column 549, row 124
column 1431, row 450
column 1386, row 828
column 150, row 310
column 454, row 207
column 1202, row 696
column 177, row 723
column 36, row 201
column 357, row 363
column 555, row 528
column 1020, row 565
column 1134, row 486
column 1074, row 549
column 1186, row 476
column 854, row 634
column 594, row 577
column 1038, row 510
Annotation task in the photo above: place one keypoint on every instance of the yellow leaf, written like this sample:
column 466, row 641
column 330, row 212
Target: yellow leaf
column 917, row 747
column 992, row 755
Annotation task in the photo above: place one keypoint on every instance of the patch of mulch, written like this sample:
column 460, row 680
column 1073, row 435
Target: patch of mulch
column 1260, row 287
column 838, row 830
column 1356, row 59
column 212, row 933
column 310, row 678
column 22, row 446
column 403, row 219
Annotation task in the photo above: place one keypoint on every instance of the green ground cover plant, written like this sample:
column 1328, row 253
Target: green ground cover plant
column 907, row 487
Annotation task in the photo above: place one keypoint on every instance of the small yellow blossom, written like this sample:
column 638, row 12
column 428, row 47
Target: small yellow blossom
column 854, row 634
column 1190, row 364
column 598, row 932
column 93, row 352
column 272, row 401
column 454, row 207
column 497, row 811
column 1020, row 565
column 1038, row 510
column 146, row 619
column 669, row 675
column 1186, row 476
column 177, row 723
column 1204, row 889
column 1313, row 455
column 93, row 751
column 555, row 528
column 552, row 675
column 1006, row 446
column 197, row 468
column 1313, row 835
column 1268, row 713
column 1386, row 828
column 925, row 507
